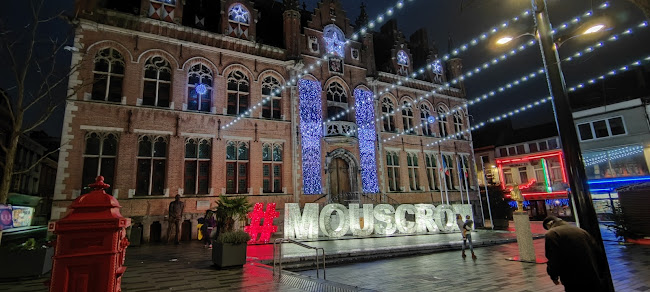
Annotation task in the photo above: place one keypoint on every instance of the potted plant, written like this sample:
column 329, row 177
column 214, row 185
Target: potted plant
column 501, row 209
column 229, row 246
column 31, row 258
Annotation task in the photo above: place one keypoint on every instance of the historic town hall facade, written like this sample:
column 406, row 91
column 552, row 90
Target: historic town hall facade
column 209, row 98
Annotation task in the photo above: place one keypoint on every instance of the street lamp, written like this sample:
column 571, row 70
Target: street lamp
column 592, row 29
column 586, row 214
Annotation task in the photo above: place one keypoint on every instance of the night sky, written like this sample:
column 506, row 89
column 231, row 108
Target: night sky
column 444, row 18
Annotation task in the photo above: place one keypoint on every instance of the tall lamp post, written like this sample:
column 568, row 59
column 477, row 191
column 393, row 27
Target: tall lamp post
column 586, row 214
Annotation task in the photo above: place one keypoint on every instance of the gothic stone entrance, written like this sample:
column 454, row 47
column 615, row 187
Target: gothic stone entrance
column 342, row 172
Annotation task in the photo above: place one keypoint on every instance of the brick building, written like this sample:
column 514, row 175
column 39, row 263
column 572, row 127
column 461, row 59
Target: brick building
column 194, row 98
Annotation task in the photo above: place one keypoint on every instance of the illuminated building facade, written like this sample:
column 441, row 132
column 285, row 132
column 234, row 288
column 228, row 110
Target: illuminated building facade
column 240, row 101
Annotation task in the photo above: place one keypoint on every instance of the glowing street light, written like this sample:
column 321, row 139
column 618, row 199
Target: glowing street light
column 594, row 29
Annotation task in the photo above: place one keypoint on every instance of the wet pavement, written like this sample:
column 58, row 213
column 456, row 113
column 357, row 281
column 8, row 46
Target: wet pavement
column 188, row 267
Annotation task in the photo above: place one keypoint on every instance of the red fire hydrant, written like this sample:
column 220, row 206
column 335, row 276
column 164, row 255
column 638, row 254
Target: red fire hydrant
column 91, row 244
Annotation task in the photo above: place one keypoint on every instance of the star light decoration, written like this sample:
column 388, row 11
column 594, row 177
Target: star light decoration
column 402, row 58
column 436, row 67
column 311, row 130
column 201, row 89
column 366, row 133
column 334, row 41
column 238, row 13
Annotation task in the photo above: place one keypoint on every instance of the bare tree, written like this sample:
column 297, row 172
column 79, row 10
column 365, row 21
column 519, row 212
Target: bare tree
column 36, row 83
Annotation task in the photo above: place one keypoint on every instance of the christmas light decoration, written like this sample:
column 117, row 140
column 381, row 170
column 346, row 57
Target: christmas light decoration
column 618, row 180
column 402, row 58
column 265, row 229
column 610, row 155
column 366, row 133
column 368, row 220
column 201, row 89
column 547, row 185
column 311, row 131
column 334, row 41
column 238, row 13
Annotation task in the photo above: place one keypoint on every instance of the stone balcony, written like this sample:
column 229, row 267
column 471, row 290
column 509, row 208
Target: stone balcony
column 340, row 132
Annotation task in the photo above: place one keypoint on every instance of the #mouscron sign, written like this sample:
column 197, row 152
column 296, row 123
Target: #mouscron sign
column 336, row 220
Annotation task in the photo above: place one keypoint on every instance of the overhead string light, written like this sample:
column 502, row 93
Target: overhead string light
column 536, row 103
column 355, row 36
column 521, row 80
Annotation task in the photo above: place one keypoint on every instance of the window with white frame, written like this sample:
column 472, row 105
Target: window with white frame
column 197, row 166
column 448, row 170
column 432, row 171
column 271, row 91
column 388, row 114
column 272, row 167
column 152, row 161
column 523, row 175
column 407, row 118
column 237, row 167
column 199, row 88
column 99, row 158
column 157, row 82
column 392, row 171
column 412, row 164
column 507, row 176
column 426, row 121
column 465, row 182
column 336, row 93
column 602, row 129
column 238, row 93
column 458, row 124
column 108, row 75
column 442, row 121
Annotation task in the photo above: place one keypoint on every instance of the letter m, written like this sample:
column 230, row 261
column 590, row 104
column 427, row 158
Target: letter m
column 301, row 227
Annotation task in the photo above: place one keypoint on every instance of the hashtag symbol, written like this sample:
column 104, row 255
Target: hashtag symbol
column 265, row 229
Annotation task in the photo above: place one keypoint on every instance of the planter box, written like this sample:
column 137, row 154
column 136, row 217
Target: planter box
column 228, row 255
column 25, row 263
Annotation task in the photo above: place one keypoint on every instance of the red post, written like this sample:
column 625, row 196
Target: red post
column 91, row 244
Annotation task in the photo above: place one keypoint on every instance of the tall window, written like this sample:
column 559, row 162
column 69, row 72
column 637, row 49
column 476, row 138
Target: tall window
column 507, row 176
column 392, row 165
column 448, row 168
column 238, row 93
column 458, row 124
column 388, row 111
column 272, row 168
column 336, row 93
column 407, row 118
column 271, row 90
column 432, row 170
column 402, row 63
column 199, row 88
column 197, row 166
column 99, row 158
column 236, row 167
column 523, row 175
column 442, row 121
column 157, row 82
column 108, row 75
column 238, row 21
column 152, row 158
column 464, row 171
column 414, row 178
column 426, row 120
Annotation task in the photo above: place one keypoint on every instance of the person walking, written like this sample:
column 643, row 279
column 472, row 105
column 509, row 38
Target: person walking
column 573, row 257
column 466, row 230
column 175, row 217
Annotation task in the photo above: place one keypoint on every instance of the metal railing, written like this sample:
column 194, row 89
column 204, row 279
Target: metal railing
column 277, row 257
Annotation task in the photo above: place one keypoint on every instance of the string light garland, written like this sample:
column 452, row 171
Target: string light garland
column 365, row 117
column 311, row 131
column 610, row 155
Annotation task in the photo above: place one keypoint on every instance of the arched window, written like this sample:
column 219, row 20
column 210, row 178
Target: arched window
column 152, row 158
column 412, row 164
column 402, row 63
column 238, row 93
column 99, row 158
column 157, row 82
column 272, row 167
column 426, row 120
column 336, row 93
column 238, row 21
column 392, row 171
column 334, row 40
column 271, row 109
column 199, row 88
column 407, row 118
column 442, row 121
column 108, row 75
column 458, row 124
column 388, row 114
column 436, row 68
column 236, row 167
column 197, row 166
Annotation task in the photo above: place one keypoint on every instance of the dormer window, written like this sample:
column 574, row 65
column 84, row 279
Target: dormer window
column 402, row 63
column 334, row 40
column 238, row 21
column 436, row 68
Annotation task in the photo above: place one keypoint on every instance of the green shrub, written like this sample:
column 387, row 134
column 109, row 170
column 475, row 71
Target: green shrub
column 234, row 237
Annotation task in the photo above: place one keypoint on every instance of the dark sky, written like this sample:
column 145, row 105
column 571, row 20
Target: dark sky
column 445, row 17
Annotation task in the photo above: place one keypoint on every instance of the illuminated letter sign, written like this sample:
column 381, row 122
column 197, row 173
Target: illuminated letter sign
column 301, row 227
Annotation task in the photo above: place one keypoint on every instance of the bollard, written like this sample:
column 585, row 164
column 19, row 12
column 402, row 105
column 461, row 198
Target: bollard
column 91, row 244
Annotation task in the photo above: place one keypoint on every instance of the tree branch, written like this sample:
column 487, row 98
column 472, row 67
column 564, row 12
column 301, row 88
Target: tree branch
column 10, row 109
column 28, row 169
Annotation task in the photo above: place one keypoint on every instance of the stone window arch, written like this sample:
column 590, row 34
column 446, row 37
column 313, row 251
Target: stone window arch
column 199, row 88
column 388, row 114
column 108, row 75
column 442, row 121
column 407, row 118
column 426, row 120
column 157, row 82
column 272, row 108
column 458, row 125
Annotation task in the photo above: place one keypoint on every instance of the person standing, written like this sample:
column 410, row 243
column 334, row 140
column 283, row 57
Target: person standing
column 467, row 235
column 175, row 217
column 573, row 257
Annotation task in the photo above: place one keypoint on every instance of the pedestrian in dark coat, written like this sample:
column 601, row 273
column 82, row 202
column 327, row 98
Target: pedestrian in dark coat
column 573, row 257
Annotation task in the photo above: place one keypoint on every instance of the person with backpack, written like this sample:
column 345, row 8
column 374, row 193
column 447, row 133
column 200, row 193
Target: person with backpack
column 467, row 235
